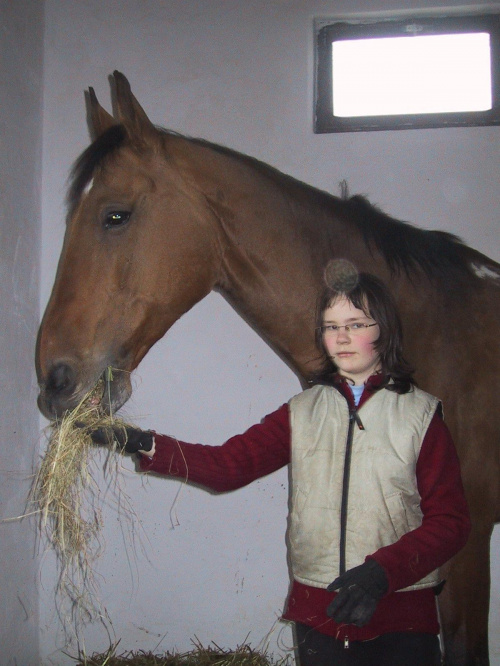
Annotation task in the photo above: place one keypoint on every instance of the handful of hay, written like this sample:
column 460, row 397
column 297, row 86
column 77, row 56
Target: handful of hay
column 64, row 494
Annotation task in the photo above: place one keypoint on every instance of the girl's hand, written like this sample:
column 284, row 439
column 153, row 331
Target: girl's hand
column 360, row 590
column 129, row 440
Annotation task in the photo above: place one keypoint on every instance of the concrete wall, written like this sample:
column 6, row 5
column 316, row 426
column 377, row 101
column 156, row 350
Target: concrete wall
column 239, row 73
column 21, row 61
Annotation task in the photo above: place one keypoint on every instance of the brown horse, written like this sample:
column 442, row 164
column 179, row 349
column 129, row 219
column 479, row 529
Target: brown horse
column 157, row 220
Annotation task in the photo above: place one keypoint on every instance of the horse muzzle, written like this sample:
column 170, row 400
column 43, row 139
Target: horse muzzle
column 63, row 389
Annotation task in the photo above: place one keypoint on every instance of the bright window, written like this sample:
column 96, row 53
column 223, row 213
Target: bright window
column 413, row 73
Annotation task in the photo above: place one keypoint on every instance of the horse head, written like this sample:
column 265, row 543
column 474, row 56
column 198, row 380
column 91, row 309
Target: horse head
column 137, row 253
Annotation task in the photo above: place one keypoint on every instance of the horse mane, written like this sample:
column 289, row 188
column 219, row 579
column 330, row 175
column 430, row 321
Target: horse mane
column 404, row 246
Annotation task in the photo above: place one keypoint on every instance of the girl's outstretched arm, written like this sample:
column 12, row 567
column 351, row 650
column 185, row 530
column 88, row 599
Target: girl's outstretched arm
column 262, row 449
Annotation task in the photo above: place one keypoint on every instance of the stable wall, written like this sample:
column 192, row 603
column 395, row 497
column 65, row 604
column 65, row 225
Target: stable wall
column 239, row 73
column 21, row 59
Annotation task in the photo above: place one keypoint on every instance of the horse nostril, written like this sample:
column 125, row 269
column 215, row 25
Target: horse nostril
column 61, row 378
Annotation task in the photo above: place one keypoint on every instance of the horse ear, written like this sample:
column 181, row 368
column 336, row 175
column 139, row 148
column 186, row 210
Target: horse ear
column 130, row 112
column 100, row 119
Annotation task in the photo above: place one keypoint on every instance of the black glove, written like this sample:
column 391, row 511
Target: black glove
column 130, row 440
column 361, row 588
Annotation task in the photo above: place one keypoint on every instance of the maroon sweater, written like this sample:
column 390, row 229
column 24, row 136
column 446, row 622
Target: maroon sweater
column 265, row 447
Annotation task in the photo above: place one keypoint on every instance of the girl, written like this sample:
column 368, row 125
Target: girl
column 377, row 502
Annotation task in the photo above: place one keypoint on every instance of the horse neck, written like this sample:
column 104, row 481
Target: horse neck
column 276, row 235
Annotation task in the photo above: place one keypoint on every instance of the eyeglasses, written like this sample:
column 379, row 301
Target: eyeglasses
column 352, row 329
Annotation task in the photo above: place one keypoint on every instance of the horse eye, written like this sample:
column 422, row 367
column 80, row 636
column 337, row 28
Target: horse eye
column 116, row 218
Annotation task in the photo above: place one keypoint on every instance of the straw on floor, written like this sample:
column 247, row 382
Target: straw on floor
column 200, row 656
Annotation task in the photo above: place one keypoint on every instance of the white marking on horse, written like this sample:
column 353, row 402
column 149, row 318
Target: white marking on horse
column 485, row 272
column 88, row 187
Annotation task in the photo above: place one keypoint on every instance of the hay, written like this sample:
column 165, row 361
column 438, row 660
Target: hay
column 65, row 494
column 201, row 656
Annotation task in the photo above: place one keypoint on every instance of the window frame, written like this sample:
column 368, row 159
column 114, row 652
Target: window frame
column 329, row 31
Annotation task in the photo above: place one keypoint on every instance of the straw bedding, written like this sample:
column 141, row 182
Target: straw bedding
column 201, row 656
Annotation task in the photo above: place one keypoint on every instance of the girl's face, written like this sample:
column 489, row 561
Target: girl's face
column 352, row 351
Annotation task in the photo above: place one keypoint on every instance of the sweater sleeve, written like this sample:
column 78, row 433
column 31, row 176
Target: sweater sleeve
column 445, row 524
column 262, row 449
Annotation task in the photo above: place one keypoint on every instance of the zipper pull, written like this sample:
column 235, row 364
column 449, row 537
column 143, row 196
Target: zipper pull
column 346, row 643
column 354, row 416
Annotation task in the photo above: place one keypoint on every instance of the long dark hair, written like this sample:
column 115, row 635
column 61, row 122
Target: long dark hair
column 372, row 296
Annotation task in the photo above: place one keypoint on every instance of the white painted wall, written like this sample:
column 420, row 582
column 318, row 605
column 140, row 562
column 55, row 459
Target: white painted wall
column 21, row 45
column 240, row 73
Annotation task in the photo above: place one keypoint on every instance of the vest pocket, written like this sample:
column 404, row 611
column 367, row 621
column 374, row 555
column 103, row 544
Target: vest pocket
column 397, row 513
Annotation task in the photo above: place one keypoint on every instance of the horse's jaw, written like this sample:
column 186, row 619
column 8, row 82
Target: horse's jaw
column 56, row 400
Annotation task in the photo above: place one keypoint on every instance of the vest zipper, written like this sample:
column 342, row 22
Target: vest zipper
column 353, row 418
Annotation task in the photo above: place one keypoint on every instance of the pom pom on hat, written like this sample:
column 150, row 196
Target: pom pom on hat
column 341, row 275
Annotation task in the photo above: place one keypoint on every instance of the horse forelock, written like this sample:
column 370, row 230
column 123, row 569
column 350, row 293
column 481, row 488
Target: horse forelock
column 84, row 167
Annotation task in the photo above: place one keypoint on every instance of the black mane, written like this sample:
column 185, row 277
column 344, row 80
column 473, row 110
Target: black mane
column 83, row 169
column 406, row 247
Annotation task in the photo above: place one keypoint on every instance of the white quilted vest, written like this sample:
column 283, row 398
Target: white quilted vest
column 383, row 499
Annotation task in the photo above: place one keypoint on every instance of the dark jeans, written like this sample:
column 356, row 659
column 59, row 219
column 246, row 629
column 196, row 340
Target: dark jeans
column 396, row 649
